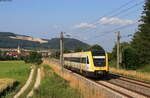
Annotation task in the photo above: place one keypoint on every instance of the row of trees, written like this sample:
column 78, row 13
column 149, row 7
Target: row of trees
column 137, row 53
column 34, row 57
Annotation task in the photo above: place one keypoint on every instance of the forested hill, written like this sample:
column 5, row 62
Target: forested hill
column 11, row 40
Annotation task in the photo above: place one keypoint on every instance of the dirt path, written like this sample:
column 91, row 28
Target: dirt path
column 26, row 84
column 37, row 83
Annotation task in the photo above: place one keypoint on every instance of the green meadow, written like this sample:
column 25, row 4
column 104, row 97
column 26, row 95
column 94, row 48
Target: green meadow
column 17, row 70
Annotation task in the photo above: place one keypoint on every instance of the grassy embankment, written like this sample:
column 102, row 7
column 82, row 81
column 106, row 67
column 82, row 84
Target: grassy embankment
column 142, row 73
column 17, row 70
column 86, row 89
column 53, row 86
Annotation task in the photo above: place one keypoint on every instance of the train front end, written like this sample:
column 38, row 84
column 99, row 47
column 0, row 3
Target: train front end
column 100, row 63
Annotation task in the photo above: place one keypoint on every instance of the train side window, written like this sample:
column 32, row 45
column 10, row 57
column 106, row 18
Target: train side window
column 84, row 60
column 77, row 59
column 74, row 59
column 66, row 59
column 87, row 60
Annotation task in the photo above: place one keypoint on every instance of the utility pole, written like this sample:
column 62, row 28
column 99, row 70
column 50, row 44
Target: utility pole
column 61, row 50
column 118, row 49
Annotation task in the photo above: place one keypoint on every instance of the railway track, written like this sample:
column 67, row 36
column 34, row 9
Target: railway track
column 119, row 86
column 136, row 86
column 131, row 80
column 126, row 87
column 125, row 90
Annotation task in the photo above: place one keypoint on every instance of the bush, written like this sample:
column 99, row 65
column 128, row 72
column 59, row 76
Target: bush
column 34, row 58
column 130, row 58
column 55, row 54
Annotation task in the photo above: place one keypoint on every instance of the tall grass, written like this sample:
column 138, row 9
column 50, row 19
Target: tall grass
column 132, row 73
column 53, row 86
column 87, row 90
column 142, row 72
column 145, row 68
column 17, row 70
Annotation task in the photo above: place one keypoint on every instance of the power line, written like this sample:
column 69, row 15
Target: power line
column 107, row 40
column 120, row 12
column 111, row 12
column 122, row 27
column 127, row 9
column 111, row 31
column 130, row 13
column 124, row 5
column 106, row 32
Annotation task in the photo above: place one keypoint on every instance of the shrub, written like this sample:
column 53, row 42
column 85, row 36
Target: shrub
column 34, row 58
column 130, row 58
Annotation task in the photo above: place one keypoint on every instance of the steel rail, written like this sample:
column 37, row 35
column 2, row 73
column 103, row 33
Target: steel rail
column 136, row 92
column 134, row 81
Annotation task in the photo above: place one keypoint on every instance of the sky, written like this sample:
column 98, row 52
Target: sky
column 92, row 21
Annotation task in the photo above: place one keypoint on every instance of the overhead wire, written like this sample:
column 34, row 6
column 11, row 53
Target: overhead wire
column 122, row 11
column 112, row 31
column 113, row 15
column 117, row 14
column 122, row 27
column 96, row 30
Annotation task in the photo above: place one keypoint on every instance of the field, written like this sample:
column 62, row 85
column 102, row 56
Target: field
column 53, row 86
column 17, row 70
column 6, row 84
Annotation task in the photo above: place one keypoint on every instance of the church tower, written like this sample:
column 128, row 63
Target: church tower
column 18, row 50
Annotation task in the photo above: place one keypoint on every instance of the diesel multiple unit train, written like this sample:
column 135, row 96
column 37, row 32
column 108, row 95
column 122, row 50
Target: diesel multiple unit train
column 90, row 63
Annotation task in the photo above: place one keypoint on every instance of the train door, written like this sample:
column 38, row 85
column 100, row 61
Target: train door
column 81, row 66
column 87, row 63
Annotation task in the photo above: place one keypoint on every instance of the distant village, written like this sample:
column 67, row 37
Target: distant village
column 18, row 51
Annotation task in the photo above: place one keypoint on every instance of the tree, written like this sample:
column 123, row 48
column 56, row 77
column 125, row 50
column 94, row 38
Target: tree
column 141, row 39
column 129, row 58
column 113, row 55
column 78, row 49
column 34, row 58
column 96, row 47
column 55, row 54
column 67, row 51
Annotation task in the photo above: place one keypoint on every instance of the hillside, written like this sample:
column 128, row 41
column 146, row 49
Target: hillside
column 11, row 40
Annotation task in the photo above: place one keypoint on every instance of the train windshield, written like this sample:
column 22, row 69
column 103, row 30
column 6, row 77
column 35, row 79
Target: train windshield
column 99, row 62
column 99, row 58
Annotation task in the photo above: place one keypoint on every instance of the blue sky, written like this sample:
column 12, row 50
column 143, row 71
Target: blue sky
column 46, row 18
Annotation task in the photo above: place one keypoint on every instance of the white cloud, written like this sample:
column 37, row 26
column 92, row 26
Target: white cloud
column 84, row 25
column 112, row 21
column 104, row 22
